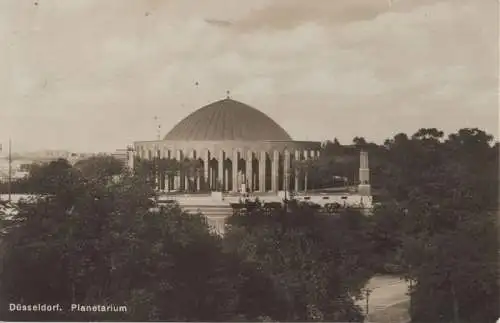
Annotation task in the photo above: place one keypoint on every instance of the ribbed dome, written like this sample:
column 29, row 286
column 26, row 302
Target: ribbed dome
column 227, row 120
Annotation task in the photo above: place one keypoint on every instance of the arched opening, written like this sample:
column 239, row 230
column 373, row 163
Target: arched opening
column 198, row 175
column 241, row 178
column 268, row 173
column 213, row 169
column 255, row 174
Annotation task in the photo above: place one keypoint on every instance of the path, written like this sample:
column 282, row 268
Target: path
column 388, row 301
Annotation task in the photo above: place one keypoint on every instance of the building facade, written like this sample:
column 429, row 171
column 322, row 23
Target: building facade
column 236, row 148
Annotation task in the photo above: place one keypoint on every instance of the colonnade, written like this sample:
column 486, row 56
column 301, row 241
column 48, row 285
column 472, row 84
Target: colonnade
column 233, row 170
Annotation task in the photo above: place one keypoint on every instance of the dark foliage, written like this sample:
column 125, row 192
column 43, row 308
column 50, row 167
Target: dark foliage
column 91, row 239
column 315, row 263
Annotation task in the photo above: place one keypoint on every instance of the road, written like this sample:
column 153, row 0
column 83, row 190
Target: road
column 388, row 301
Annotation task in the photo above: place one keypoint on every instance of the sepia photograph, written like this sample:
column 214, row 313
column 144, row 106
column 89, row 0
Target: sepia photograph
column 249, row 161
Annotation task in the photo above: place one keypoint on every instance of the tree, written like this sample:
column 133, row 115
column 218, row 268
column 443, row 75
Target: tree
column 101, row 168
column 443, row 193
column 332, row 147
column 193, row 168
column 145, row 168
column 359, row 141
column 101, row 243
column 303, row 167
column 386, row 232
column 57, row 178
column 316, row 263
column 432, row 134
column 343, row 161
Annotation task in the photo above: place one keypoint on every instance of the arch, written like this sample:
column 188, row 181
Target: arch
column 255, row 174
column 281, row 172
column 268, row 172
column 200, row 179
column 213, row 168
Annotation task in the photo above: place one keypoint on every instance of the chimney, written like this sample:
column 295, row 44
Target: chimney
column 364, row 188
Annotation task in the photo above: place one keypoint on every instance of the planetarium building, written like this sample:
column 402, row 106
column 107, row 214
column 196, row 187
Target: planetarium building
column 236, row 146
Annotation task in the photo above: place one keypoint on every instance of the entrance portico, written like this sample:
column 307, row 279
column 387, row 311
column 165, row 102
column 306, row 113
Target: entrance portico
column 230, row 165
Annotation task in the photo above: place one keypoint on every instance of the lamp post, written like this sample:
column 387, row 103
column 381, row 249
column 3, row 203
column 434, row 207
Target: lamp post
column 10, row 171
column 286, row 189
column 286, row 171
column 367, row 298
column 410, row 288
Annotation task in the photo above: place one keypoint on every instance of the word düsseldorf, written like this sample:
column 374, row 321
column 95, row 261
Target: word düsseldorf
column 34, row 308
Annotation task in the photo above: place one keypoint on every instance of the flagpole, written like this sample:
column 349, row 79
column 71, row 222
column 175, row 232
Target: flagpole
column 10, row 170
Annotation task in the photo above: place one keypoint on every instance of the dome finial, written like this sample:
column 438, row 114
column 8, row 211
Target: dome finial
column 227, row 94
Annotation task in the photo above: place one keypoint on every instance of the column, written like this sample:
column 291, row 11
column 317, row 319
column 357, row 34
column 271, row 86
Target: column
column 364, row 188
column 262, row 171
column 220, row 173
column 234, row 175
column 211, row 178
column 177, row 176
column 274, row 171
column 286, row 171
column 206, row 167
column 226, row 179
column 364, row 170
column 297, row 173
column 130, row 158
column 249, row 172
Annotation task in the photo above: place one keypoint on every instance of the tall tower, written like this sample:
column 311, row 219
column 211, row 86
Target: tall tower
column 364, row 188
column 130, row 157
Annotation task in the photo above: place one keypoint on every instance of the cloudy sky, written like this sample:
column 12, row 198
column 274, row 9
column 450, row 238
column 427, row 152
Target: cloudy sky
column 90, row 75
